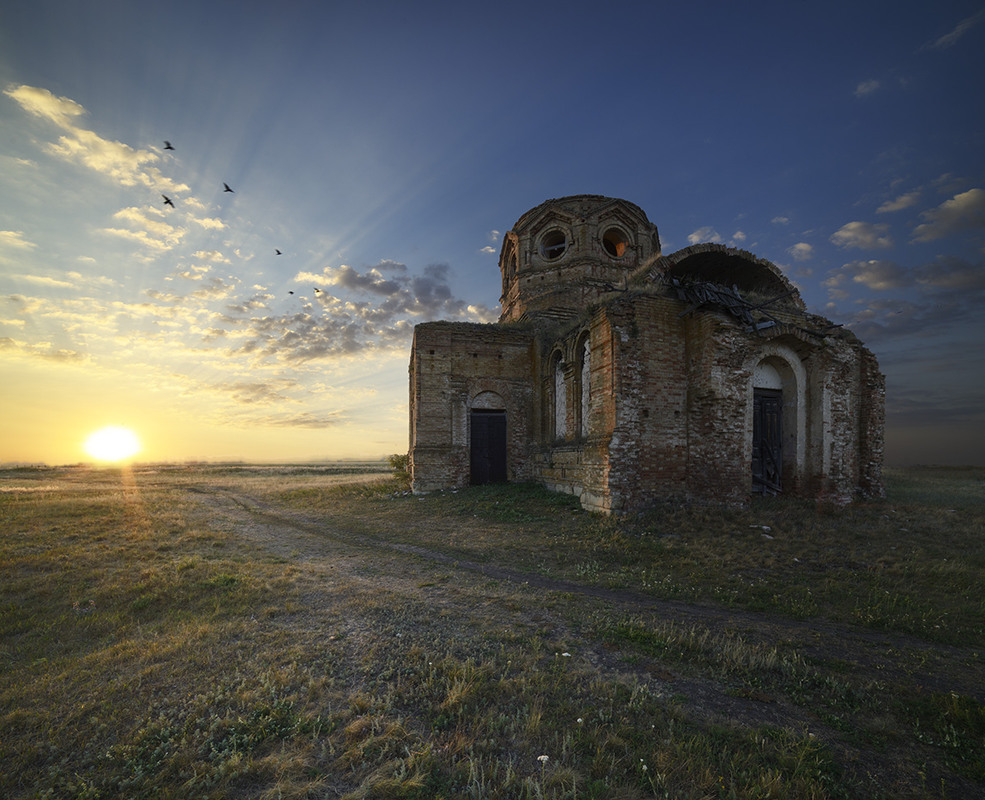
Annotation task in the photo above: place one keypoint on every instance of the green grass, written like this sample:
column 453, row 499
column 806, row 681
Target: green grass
column 153, row 644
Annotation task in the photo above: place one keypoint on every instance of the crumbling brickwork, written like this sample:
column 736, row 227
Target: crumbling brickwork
column 624, row 376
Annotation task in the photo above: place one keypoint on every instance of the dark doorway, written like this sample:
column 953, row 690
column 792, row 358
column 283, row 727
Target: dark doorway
column 488, row 453
column 767, row 433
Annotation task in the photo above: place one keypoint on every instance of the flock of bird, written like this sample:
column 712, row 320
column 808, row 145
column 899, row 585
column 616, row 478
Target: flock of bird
column 225, row 188
column 168, row 201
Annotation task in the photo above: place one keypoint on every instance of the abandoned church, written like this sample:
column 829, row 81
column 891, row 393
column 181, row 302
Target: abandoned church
column 626, row 377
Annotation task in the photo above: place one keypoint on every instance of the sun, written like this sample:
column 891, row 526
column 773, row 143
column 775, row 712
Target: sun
column 112, row 443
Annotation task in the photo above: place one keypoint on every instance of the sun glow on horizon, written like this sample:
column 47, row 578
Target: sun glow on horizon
column 112, row 443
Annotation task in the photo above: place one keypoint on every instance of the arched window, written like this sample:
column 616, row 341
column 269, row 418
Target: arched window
column 509, row 265
column 560, row 400
column 585, row 386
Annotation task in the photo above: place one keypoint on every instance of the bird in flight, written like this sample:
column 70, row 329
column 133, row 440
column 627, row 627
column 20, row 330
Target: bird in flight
column 317, row 290
column 277, row 251
column 227, row 189
column 167, row 145
column 167, row 201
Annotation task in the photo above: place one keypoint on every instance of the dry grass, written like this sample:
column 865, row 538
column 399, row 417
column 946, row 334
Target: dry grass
column 264, row 633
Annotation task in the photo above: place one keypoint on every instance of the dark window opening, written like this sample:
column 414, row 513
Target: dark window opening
column 615, row 242
column 553, row 244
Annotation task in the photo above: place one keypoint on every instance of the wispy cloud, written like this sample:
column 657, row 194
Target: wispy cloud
column 952, row 37
column 214, row 256
column 427, row 296
column 801, row 251
column 306, row 419
column 494, row 237
column 904, row 201
column 878, row 275
column 45, row 280
column 963, row 212
column 863, row 235
column 704, row 234
column 116, row 160
column 44, row 351
column 140, row 237
column 15, row 240
column 865, row 88
column 944, row 294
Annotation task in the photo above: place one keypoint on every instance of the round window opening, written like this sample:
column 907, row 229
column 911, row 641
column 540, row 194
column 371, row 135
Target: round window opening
column 553, row 244
column 615, row 242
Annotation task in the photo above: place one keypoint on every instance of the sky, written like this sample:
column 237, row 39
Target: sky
column 383, row 148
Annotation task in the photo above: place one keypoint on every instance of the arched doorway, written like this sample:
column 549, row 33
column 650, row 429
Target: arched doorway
column 767, row 430
column 487, row 439
column 775, row 407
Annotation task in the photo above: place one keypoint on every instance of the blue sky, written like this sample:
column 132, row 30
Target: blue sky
column 384, row 148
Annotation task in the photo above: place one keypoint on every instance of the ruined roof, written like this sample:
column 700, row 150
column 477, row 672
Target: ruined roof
column 754, row 279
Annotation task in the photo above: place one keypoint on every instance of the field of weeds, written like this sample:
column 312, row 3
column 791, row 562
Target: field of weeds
column 273, row 632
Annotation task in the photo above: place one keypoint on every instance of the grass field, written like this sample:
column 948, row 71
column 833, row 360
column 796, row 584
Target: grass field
column 309, row 632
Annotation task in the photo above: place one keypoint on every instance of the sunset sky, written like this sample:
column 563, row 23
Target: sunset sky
column 385, row 147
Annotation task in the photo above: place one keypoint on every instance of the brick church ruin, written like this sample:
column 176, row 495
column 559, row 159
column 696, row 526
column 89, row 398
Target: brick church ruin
column 625, row 376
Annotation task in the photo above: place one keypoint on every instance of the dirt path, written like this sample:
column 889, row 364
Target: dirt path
column 303, row 538
column 467, row 590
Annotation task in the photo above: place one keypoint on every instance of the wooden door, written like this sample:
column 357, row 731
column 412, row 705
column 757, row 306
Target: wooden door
column 767, row 439
column 488, row 447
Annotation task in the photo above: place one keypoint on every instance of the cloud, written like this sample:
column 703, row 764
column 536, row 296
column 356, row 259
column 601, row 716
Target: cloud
column 866, row 88
column 878, row 275
column 148, row 228
column 141, row 237
column 780, row 220
column 210, row 223
column 963, row 212
column 214, row 289
column 258, row 302
column 354, row 312
column 493, row 237
column 44, row 280
column 951, row 38
column 210, row 255
column 903, row 201
column 91, row 280
column 43, row 103
column 863, row 235
column 944, row 297
column 948, row 183
column 16, row 240
column 372, row 281
column 43, row 351
column 122, row 163
column 195, row 273
column 801, row 251
column 705, row 234
column 944, row 275
column 738, row 237
column 254, row 392
column 302, row 420
column 150, row 220
column 949, row 274
column 427, row 295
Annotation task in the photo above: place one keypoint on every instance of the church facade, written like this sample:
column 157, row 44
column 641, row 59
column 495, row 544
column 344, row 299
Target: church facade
column 627, row 377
